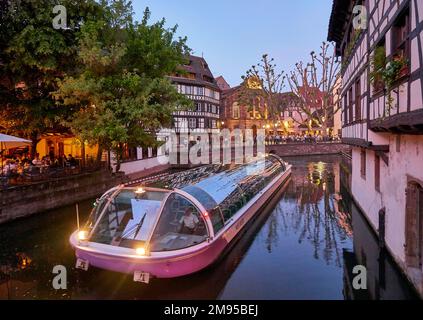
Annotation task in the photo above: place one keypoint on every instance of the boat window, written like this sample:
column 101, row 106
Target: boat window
column 236, row 187
column 129, row 218
column 216, row 219
column 99, row 205
column 233, row 203
column 180, row 226
column 202, row 196
column 258, row 180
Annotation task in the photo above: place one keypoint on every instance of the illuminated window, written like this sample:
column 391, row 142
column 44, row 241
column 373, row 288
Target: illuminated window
column 235, row 111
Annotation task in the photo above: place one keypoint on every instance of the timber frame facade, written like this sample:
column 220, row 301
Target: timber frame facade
column 383, row 120
column 405, row 113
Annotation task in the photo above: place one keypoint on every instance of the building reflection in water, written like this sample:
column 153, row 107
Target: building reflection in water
column 303, row 246
column 315, row 211
column 384, row 279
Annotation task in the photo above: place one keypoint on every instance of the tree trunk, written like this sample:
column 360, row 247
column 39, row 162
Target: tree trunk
column 109, row 160
column 324, row 129
column 117, row 163
column 118, row 155
column 83, row 154
column 99, row 156
column 34, row 142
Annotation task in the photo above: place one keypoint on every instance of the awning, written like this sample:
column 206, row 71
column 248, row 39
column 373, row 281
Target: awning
column 7, row 141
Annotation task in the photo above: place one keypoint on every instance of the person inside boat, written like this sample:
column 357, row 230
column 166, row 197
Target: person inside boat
column 189, row 222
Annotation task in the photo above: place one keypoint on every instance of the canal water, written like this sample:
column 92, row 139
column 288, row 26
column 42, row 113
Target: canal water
column 304, row 245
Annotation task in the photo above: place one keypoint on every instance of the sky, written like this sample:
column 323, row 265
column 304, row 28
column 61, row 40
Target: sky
column 232, row 35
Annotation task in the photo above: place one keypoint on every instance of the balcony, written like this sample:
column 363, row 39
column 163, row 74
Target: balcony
column 400, row 123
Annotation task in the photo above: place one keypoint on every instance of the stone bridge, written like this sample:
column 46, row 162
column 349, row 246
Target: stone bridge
column 304, row 149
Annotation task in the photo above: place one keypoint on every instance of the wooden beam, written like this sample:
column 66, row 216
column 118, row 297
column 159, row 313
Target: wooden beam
column 356, row 142
column 383, row 156
column 380, row 147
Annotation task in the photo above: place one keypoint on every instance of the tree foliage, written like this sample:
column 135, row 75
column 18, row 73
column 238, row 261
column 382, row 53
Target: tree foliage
column 32, row 56
column 121, row 96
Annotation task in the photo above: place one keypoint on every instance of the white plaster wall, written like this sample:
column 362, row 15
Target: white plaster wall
column 140, row 165
column 364, row 189
column 407, row 162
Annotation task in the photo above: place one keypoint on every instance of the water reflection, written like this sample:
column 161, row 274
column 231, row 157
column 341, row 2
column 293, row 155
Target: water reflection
column 313, row 209
column 385, row 281
column 300, row 247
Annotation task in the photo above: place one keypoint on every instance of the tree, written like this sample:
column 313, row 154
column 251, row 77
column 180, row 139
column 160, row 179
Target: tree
column 266, row 83
column 315, row 86
column 33, row 55
column 121, row 97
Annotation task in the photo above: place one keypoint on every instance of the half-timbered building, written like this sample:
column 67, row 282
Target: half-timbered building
column 382, row 116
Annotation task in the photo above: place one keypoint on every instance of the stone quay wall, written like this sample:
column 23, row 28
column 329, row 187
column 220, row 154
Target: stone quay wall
column 25, row 200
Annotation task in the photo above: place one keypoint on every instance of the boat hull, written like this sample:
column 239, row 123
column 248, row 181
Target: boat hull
column 182, row 262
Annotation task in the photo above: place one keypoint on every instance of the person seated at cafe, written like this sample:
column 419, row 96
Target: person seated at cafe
column 188, row 222
column 72, row 161
column 55, row 163
column 10, row 167
column 13, row 165
column 63, row 161
column 25, row 159
column 6, row 168
column 37, row 161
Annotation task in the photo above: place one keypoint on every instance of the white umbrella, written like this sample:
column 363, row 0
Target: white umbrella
column 12, row 142
column 7, row 141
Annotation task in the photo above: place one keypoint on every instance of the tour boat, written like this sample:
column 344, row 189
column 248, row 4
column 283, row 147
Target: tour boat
column 176, row 224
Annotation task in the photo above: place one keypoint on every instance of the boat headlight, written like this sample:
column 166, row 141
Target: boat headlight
column 140, row 190
column 140, row 251
column 82, row 235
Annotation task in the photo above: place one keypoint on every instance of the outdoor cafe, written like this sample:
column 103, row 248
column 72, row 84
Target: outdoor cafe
column 18, row 167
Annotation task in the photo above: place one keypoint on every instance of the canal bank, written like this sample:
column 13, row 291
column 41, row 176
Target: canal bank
column 28, row 199
column 294, row 251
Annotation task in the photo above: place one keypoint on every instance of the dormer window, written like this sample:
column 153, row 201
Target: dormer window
column 208, row 79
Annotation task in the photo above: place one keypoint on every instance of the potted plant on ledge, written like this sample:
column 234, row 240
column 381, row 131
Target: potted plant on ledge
column 386, row 74
column 378, row 65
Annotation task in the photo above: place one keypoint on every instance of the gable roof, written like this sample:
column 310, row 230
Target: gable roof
column 200, row 68
column 339, row 16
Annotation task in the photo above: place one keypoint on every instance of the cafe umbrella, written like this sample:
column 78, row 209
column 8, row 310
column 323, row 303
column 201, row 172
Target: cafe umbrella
column 7, row 142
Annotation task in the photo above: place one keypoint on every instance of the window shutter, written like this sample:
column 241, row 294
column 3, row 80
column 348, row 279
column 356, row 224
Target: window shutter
column 412, row 235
